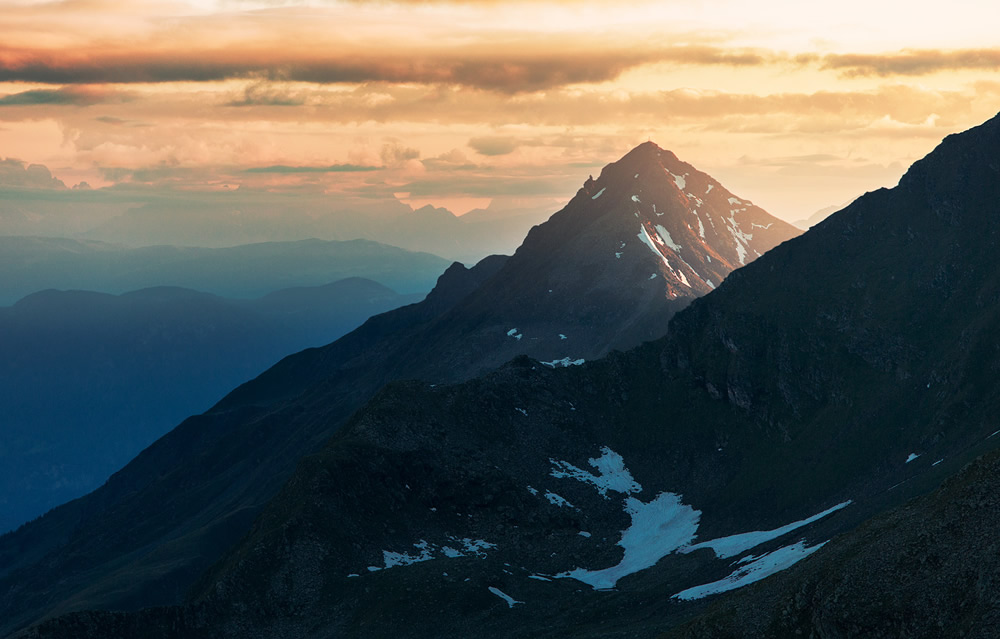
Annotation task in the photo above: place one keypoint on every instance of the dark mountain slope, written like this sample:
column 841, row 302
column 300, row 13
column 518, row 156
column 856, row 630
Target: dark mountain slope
column 114, row 549
column 923, row 570
column 90, row 379
column 817, row 387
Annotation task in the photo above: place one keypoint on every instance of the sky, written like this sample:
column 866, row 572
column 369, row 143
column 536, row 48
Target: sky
column 794, row 105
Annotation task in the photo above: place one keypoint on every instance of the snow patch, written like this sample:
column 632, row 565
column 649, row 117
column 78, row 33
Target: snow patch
column 539, row 577
column 709, row 282
column 533, row 491
column 564, row 363
column 618, row 255
column 599, row 193
column 911, row 457
column 522, row 411
column 742, row 239
column 613, row 475
column 584, row 533
column 393, row 559
column 648, row 241
column 510, row 600
column 658, row 529
column 709, row 189
column 735, row 200
column 476, row 547
column 511, row 332
column 701, row 228
column 468, row 546
column 652, row 276
column 938, row 462
column 666, row 525
column 665, row 236
column 679, row 180
column 561, row 336
column 761, row 226
column 635, row 198
column 754, row 571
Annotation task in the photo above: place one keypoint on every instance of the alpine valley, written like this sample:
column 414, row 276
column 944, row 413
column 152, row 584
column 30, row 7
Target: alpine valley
column 534, row 451
column 604, row 274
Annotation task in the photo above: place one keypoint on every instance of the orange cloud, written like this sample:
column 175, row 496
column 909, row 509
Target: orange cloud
column 510, row 67
column 913, row 62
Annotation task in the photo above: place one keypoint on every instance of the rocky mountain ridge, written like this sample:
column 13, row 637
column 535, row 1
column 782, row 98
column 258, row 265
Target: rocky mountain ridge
column 570, row 293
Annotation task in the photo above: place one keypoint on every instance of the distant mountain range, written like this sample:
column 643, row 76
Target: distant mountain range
column 807, row 223
column 633, row 247
column 30, row 264
column 90, row 379
column 33, row 203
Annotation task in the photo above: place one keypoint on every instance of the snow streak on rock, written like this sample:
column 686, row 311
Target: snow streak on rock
column 733, row 545
column 564, row 362
column 510, row 600
column 754, row 571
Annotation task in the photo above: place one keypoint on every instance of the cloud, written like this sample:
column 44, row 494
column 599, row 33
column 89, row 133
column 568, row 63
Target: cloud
column 493, row 145
column 913, row 62
column 454, row 160
column 333, row 168
column 72, row 96
column 264, row 95
column 485, row 186
column 33, row 176
column 395, row 155
column 508, row 65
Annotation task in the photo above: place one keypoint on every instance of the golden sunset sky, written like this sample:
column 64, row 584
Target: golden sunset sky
column 793, row 104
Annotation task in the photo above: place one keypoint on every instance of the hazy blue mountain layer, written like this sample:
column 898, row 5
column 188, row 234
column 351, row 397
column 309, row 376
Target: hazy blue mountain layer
column 30, row 264
column 90, row 379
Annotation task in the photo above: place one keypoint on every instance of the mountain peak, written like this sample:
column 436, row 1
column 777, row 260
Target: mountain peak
column 649, row 151
column 680, row 223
